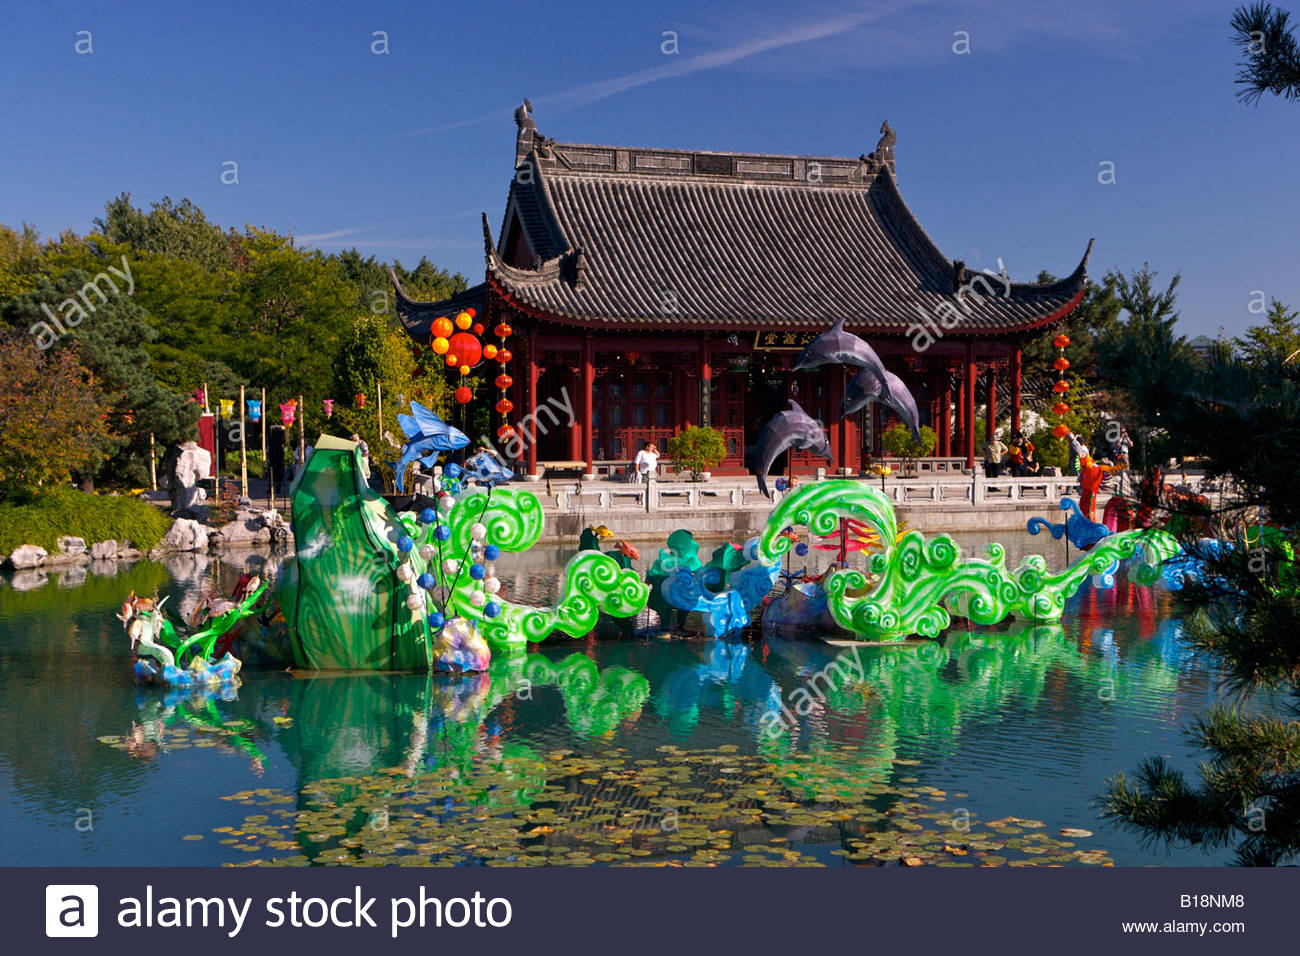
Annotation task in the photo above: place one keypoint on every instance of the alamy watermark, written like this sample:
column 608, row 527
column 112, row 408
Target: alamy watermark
column 75, row 310
column 947, row 314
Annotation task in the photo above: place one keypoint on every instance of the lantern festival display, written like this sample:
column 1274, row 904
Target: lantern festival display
column 227, row 408
column 288, row 412
column 1062, row 387
column 329, row 407
column 254, row 409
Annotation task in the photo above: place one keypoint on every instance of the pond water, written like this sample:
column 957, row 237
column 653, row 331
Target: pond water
column 981, row 748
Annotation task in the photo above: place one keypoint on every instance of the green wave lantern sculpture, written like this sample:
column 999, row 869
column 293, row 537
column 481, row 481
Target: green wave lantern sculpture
column 914, row 586
column 366, row 580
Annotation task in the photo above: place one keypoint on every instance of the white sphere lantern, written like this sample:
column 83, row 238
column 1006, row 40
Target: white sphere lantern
column 478, row 531
column 428, row 552
column 451, row 565
column 446, row 503
column 405, row 573
column 477, row 598
column 415, row 601
column 492, row 585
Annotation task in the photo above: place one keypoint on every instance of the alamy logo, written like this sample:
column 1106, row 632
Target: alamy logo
column 71, row 910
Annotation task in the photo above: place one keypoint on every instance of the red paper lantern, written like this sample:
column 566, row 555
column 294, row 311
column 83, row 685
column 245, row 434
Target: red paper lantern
column 452, row 360
column 504, row 380
column 477, row 328
column 503, row 330
column 360, row 399
column 1061, row 341
column 1060, row 431
column 1061, row 364
column 506, row 432
column 1060, row 408
column 1061, row 387
column 467, row 348
column 505, row 406
column 464, row 395
column 442, row 328
column 471, row 312
column 504, row 356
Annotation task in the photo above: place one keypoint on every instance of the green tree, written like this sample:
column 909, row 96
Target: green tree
column 175, row 230
column 52, row 418
column 1275, row 342
column 1272, row 55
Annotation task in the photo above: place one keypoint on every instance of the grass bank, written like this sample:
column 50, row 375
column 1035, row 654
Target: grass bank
column 65, row 511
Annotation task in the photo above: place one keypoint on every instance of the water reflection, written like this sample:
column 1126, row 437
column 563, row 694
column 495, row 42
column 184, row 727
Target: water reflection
column 1029, row 720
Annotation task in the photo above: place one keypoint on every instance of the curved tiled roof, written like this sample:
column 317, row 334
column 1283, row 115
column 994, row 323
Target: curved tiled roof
column 648, row 239
column 417, row 317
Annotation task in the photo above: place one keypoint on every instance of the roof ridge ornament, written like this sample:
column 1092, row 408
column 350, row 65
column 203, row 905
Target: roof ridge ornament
column 527, row 131
column 884, row 151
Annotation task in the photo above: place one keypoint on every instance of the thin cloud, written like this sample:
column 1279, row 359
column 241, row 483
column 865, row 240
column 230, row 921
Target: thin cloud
column 588, row 93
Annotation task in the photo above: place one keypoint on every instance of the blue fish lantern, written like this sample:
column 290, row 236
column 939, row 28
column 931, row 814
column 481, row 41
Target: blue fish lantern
column 486, row 470
column 254, row 409
column 427, row 436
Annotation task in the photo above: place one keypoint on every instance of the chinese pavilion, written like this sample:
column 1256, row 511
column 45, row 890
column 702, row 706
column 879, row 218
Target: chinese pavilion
column 652, row 289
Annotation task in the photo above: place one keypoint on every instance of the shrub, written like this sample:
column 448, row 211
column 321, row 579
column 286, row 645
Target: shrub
column 64, row 511
column 696, row 449
column 899, row 443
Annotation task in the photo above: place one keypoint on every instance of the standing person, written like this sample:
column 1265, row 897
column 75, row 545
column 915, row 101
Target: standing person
column 1123, row 444
column 364, row 449
column 646, row 462
column 993, row 452
column 1022, row 451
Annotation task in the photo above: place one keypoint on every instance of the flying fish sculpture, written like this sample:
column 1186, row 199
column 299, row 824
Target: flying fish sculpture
column 427, row 437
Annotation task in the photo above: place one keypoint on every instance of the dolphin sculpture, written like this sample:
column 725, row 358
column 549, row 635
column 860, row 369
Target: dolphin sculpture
column 792, row 428
column 837, row 347
column 865, row 388
column 427, row 436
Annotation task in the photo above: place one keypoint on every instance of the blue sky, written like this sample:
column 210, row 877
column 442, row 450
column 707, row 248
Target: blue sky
column 998, row 151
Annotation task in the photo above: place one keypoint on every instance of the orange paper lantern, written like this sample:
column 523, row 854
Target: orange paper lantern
column 1060, row 431
column 440, row 345
column 467, row 348
column 464, row 369
column 464, row 321
column 452, row 360
column 489, row 352
column 443, row 328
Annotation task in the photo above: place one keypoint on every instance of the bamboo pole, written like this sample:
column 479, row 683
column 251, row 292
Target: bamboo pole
column 153, row 466
column 243, row 449
column 302, row 432
column 262, row 419
column 379, row 411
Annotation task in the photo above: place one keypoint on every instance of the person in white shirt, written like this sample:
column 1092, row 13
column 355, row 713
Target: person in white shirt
column 645, row 463
column 1078, row 452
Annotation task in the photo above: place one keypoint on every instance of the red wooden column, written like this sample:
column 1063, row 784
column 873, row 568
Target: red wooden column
column 968, row 403
column 991, row 413
column 588, row 389
column 531, row 405
column 945, row 412
column 1015, row 389
column 961, row 410
column 573, row 380
column 706, row 382
column 835, row 430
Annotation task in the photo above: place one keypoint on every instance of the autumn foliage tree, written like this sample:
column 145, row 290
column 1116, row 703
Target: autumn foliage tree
column 52, row 418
